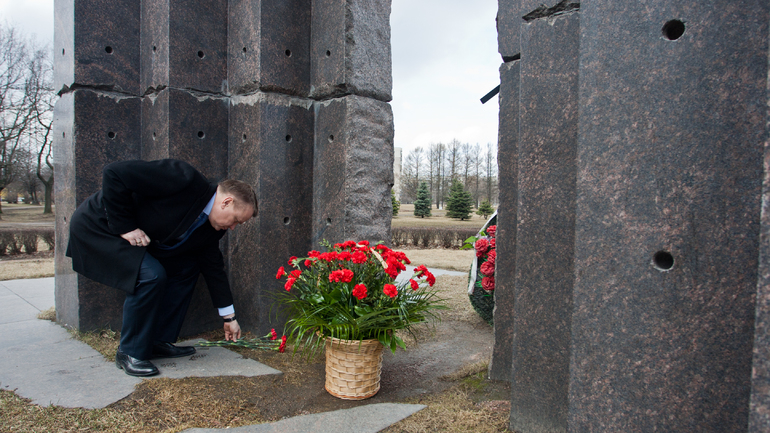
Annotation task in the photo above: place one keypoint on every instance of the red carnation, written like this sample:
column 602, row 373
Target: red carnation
column 295, row 273
column 313, row 253
column 308, row 263
column 488, row 283
column 430, row 278
column 359, row 291
column 414, row 284
column 341, row 276
column 492, row 256
column 273, row 334
column 282, row 347
column 291, row 260
column 487, row 268
column 390, row 290
column 358, row 257
column 349, row 244
column 491, row 230
column 289, row 283
column 281, row 272
column 364, row 243
column 492, row 243
column 481, row 247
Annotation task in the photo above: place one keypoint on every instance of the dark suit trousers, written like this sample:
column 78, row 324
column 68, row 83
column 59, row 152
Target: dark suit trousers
column 156, row 310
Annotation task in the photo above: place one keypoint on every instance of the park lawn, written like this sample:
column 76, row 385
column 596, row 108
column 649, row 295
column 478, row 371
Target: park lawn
column 438, row 218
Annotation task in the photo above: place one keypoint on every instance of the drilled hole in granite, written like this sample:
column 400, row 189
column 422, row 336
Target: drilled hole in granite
column 288, row 138
column 286, row 221
column 154, row 135
column 331, row 138
column 62, row 51
column 244, row 137
column 201, row 134
column 111, row 135
column 673, row 30
column 201, row 54
column 244, row 49
column 63, row 135
column 328, row 221
column 663, row 260
column 154, row 48
column 108, row 49
column 328, row 53
column 288, row 53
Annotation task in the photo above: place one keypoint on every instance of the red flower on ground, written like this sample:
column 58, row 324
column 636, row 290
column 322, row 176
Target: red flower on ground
column 491, row 230
column 414, row 284
column 481, row 247
column 390, row 290
column 281, row 272
column 359, row 291
column 488, row 283
column 282, row 347
column 341, row 276
column 273, row 334
column 289, row 283
column 487, row 268
column 492, row 256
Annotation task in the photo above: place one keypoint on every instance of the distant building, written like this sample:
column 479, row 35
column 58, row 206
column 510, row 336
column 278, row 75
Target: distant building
column 397, row 172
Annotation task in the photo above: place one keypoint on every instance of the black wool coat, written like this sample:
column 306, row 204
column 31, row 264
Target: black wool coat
column 163, row 198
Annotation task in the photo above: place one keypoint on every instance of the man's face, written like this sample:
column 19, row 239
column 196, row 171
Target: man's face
column 227, row 215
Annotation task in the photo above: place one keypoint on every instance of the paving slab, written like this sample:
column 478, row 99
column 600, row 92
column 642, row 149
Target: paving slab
column 370, row 418
column 210, row 362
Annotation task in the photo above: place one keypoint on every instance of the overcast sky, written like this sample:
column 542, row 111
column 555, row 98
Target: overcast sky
column 444, row 60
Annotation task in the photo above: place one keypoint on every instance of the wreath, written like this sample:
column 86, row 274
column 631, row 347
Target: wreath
column 481, row 278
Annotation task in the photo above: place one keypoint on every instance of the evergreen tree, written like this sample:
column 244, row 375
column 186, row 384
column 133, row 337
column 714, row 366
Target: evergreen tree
column 423, row 203
column 396, row 204
column 459, row 203
column 485, row 209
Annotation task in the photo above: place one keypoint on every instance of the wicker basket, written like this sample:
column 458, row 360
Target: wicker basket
column 353, row 368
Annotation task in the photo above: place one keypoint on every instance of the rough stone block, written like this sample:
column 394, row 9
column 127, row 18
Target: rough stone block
column 182, row 125
column 91, row 129
column 271, row 144
column 97, row 44
column 350, row 49
column 184, row 45
column 269, row 47
column 547, row 142
column 505, row 265
column 353, row 170
column 673, row 100
column 508, row 23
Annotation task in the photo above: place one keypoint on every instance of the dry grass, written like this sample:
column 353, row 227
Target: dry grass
column 16, row 269
column 25, row 213
column 439, row 258
column 462, row 408
column 438, row 218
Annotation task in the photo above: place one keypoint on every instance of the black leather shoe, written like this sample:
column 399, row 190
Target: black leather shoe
column 168, row 350
column 133, row 366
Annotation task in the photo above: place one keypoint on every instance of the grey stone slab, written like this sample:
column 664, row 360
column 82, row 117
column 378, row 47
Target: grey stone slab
column 545, row 233
column 363, row 419
column 37, row 292
column 668, row 228
column 211, row 362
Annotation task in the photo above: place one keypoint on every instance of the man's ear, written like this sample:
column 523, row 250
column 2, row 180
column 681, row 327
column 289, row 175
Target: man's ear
column 226, row 201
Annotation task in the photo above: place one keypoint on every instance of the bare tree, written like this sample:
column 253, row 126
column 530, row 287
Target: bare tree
column 41, row 75
column 16, row 105
column 453, row 159
column 477, row 172
column 411, row 175
column 491, row 170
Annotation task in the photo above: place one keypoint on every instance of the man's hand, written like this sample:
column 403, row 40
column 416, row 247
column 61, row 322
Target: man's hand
column 137, row 238
column 232, row 331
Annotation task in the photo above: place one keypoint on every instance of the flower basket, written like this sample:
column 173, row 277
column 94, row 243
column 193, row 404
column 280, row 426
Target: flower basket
column 347, row 300
column 353, row 368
